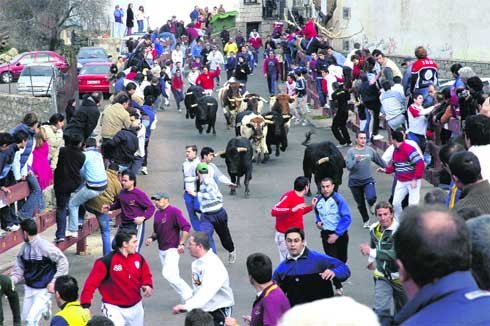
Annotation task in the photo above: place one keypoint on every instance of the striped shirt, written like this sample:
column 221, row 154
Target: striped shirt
column 407, row 163
column 210, row 198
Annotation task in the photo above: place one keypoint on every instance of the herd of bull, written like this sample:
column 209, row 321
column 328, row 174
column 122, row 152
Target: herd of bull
column 257, row 132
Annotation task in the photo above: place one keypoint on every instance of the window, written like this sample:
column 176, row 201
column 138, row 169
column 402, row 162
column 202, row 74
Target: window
column 27, row 59
column 43, row 57
column 345, row 45
column 250, row 2
column 346, row 13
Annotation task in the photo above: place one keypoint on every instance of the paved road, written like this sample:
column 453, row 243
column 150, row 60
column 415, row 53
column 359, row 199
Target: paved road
column 250, row 222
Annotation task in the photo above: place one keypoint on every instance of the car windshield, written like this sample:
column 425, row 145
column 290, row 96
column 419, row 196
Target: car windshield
column 38, row 71
column 94, row 70
column 91, row 53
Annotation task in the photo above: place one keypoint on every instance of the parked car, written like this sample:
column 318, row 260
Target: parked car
column 11, row 71
column 91, row 54
column 94, row 77
column 39, row 80
column 448, row 84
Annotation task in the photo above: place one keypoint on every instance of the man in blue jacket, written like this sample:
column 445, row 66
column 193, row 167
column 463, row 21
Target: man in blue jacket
column 433, row 253
column 305, row 275
column 333, row 218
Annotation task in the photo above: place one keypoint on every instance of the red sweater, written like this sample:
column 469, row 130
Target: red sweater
column 406, row 163
column 123, row 286
column 206, row 81
column 256, row 42
column 285, row 217
column 177, row 83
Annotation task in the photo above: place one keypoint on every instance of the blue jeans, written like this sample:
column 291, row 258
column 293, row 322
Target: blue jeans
column 272, row 83
column 62, row 200
column 33, row 200
column 363, row 193
column 141, row 25
column 105, row 231
column 79, row 197
column 192, row 205
column 318, row 83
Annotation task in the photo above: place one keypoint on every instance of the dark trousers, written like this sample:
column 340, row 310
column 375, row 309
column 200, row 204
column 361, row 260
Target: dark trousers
column 217, row 221
column 337, row 250
column 375, row 107
column 145, row 159
column 339, row 128
column 362, row 194
column 7, row 289
column 62, row 200
column 219, row 315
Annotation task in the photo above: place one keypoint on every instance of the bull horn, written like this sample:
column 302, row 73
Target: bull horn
column 268, row 117
column 210, row 104
column 269, row 122
column 219, row 153
column 193, row 105
column 241, row 149
column 231, row 99
column 323, row 160
column 188, row 93
column 263, row 99
column 286, row 116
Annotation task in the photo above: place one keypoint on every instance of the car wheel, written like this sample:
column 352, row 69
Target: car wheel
column 7, row 77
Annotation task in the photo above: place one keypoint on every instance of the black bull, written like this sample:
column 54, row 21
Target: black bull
column 238, row 158
column 202, row 107
column 277, row 134
column 324, row 160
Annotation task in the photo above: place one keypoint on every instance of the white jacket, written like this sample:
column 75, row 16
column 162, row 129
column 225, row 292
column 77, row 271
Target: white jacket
column 211, row 284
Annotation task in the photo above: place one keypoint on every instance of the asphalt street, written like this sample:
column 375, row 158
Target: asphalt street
column 251, row 224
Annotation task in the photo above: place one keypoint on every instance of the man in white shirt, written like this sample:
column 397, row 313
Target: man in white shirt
column 190, row 185
column 215, row 60
column 477, row 138
column 210, row 280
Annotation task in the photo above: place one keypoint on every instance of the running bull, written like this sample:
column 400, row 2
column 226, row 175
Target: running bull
column 324, row 160
column 238, row 158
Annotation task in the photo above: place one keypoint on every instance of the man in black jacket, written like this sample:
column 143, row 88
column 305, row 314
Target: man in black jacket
column 67, row 179
column 85, row 118
column 122, row 147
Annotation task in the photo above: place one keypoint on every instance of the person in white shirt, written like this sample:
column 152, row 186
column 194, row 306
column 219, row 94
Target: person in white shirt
column 207, row 156
column 177, row 55
column 215, row 60
column 210, row 281
column 190, row 185
column 477, row 137
column 417, row 120
column 192, row 76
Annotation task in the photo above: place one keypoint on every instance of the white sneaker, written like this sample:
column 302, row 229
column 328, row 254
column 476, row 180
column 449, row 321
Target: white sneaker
column 366, row 225
column 341, row 146
column 304, row 123
column 144, row 170
column 13, row 228
column 378, row 137
column 70, row 234
column 232, row 257
column 339, row 292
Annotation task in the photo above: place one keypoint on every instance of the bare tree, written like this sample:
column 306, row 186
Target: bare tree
column 37, row 24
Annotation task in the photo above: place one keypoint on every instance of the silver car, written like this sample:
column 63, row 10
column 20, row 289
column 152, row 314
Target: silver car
column 38, row 80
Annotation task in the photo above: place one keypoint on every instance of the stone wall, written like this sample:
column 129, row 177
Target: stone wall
column 14, row 107
column 250, row 13
column 482, row 69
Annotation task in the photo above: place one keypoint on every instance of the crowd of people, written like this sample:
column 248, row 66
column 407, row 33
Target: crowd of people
column 429, row 263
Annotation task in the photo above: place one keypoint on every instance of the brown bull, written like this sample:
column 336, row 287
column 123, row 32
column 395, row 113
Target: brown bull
column 231, row 101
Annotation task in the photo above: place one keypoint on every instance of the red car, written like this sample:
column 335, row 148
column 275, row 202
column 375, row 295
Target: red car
column 94, row 77
column 12, row 70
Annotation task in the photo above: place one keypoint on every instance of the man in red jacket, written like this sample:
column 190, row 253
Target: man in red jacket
column 206, row 80
column 289, row 212
column 120, row 277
